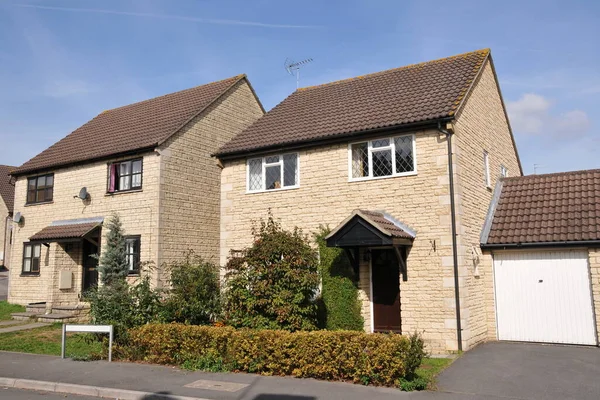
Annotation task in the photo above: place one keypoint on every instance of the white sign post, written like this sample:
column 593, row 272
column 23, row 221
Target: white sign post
column 87, row 328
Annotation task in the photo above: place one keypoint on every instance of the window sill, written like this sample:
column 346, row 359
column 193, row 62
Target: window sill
column 283, row 189
column 28, row 275
column 133, row 275
column 352, row 180
column 39, row 204
column 108, row 194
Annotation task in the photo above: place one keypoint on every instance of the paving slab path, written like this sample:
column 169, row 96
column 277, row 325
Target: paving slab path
column 16, row 327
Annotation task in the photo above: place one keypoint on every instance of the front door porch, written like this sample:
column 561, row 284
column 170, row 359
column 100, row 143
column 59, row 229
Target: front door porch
column 377, row 246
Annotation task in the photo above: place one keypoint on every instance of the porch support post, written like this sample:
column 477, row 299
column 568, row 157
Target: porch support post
column 353, row 255
column 401, row 263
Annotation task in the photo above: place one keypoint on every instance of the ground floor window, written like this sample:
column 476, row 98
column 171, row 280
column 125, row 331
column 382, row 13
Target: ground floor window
column 31, row 258
column 132, row 250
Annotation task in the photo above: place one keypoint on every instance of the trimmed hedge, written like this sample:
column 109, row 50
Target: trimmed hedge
column 377, row 359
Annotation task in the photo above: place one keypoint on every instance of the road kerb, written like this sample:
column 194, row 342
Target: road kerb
column 86, row 390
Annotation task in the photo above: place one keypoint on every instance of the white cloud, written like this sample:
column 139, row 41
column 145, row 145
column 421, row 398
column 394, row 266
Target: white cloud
column 532, row 114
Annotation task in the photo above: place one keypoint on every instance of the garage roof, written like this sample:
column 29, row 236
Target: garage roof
column 544, row 209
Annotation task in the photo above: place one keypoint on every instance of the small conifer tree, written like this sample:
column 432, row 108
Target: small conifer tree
column 113, row 265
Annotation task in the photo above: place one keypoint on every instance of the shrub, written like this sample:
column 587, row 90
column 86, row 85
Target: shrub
column 194, row 295
column 112, row 264
column 339, row 294
column 124, row 306
column 273, row 284
column 378, row 359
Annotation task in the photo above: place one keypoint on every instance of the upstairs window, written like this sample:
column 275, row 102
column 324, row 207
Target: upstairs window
column 503, row 171
column 125, row 175
column 486, row 169
column 31, row 258
column 132, row 250
column 273, row 172
column 40, row 189
column 394, row 156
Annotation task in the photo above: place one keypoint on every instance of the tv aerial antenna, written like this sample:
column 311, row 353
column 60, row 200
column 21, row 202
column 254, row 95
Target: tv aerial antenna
column 293, row 68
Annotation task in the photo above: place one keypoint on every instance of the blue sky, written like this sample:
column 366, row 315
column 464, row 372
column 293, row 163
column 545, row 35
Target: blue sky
column 64, row 61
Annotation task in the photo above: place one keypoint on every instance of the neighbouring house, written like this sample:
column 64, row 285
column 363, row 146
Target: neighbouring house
column 150, row 163
column 377, row 159
column 7, row 195
column 542, row 241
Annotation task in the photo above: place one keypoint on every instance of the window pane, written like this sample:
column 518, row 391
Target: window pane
column 255, row 174
column 48, row 194
column 125, row 168
column 41, row 195
column 31, row 196
column 273, row 177
column 271, row 159
column 381, row 143
column 41, row 181
column 360, row 160
column 290, row 170
column 28, row 251
column 404, row 155
column 125, row 182
column 382, row 162
column 35, row 265
column 31, row 183
column 136, row 180
column 37, row 250
column 50, row 180
column 27, row 265
column 137, row 167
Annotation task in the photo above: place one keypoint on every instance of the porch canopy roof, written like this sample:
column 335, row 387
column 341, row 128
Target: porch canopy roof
column 370, row 228
column 67, row 230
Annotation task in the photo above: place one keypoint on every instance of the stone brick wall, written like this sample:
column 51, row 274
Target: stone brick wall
column 138, row 211
column 326, row 197
column 594, row 258
column 5, row 227
column 190, row 177
column 480, row 126
column 68, row 258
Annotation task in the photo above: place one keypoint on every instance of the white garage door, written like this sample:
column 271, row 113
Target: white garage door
column 544, row 297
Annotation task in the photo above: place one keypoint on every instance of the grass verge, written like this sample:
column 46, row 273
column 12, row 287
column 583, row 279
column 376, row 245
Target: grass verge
column 426, row 374
column 6, row 309
column 47, row 340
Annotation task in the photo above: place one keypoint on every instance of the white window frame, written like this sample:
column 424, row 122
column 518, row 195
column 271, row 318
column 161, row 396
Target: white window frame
column 486, row 166
column 264, row 165
column 503, row 171
column 391, row 146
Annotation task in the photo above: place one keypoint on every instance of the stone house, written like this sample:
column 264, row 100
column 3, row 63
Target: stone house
column 150, row 163
column 401, row 164
column 7, row 194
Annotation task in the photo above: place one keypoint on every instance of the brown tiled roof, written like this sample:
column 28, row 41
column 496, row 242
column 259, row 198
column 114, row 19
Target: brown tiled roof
column 7, row 190
column 563, row 207
column 129, row 128
column 416, row 93
column 383, row 222
column 72, row 231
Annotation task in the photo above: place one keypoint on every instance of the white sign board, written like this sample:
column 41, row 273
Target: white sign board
column 87, row 328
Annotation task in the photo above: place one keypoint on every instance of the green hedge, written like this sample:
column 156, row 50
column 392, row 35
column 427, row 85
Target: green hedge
column 378, row 359
column 340, row 307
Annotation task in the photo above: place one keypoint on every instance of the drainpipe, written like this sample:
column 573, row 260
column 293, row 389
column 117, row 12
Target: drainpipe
column 4, row 238
column 454, row 246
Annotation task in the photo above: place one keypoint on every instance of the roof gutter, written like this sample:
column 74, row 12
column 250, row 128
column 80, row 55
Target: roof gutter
column 573, row 243
column 454, row 244
column 330, row 140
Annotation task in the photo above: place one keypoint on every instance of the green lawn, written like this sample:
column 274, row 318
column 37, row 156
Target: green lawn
column 6, row 309
column 47, row 340
column 430, row 368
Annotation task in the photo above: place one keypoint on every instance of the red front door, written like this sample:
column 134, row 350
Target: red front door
column 385, row 276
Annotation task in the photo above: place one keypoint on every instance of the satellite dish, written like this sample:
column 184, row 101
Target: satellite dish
column 83, row 193
column 17, row 217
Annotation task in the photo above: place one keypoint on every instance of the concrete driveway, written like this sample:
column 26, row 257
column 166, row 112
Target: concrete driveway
column 523, row 371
